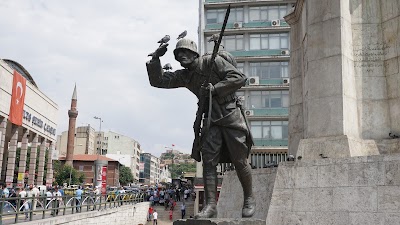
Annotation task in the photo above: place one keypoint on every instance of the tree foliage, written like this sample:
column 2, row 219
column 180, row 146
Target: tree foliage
column 125, row 175
column 67, row 174
column 178, row 169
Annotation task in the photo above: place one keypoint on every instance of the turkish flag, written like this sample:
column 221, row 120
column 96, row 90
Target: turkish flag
column 17, row 99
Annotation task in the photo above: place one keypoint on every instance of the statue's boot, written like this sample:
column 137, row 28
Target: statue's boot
column 210, row 191
column 249, row 203
column 209, row 211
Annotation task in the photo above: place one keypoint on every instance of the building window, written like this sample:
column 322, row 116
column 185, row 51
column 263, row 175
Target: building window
column 80, row 168
column 270, row 130
column 269, row 41
column 230, row 43
column 218, row 15
column 267, row 13
column 269, row 70
column 240, row 67
column 268, row 99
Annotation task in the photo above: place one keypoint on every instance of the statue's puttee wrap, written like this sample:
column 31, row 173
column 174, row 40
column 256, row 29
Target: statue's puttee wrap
column 228, row 138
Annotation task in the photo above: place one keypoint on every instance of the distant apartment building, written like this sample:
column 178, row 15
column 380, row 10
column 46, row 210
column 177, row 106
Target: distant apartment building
column 113, row 145
column 119, row 147
column 84, row 141
column 149, row 169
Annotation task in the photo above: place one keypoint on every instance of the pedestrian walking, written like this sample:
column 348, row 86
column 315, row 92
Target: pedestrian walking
column 155, row 216
column 78, row 197
column 183, row 209
column 150, row 213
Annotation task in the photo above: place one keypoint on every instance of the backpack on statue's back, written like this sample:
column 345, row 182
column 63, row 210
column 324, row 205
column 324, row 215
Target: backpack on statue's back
column 227, row 56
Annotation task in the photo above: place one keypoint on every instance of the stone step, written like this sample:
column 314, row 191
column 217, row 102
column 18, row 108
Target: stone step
column 164, row 214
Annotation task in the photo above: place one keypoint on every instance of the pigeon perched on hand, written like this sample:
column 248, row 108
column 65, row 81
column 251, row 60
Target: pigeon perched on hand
column 163, row 40
column 167, row 67
column 182, row 35
column 160, row 51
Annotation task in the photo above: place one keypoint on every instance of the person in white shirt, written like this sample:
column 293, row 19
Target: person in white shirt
column 49, row 196
column 122, row 193
column 155, row 216
column 6, row 192
column 25, row 202
column 186, row 194
column 96, row 196
column 35, row 193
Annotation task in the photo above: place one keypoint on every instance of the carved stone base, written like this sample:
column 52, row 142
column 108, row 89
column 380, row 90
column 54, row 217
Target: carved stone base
column 336, row 147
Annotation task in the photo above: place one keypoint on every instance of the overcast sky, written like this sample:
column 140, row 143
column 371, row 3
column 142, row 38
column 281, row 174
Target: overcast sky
column 102, row 46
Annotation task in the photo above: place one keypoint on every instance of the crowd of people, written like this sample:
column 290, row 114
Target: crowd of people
column 29, row 197
column 168, row 198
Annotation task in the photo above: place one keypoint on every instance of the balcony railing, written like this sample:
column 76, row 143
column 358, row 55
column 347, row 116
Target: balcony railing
column 268, row 142
column 270, row 112
column 265, row 160
column 259, row 53
column 276, row 81
column 254, row 24
column 223, row 1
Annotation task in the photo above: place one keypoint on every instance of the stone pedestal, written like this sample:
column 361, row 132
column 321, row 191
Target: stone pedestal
column 344, row 95
column 361, row 190
column 220, row 221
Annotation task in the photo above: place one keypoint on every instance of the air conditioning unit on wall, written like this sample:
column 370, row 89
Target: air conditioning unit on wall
column 286, row 81
column 237, row 25
column 285, row 52
column 275, row 23
column 249, row 112
column 254, row 80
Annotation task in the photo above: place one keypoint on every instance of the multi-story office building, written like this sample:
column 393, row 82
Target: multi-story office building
column 149, row 169
column 87, row 141
column 257, row 35
column 121, row 148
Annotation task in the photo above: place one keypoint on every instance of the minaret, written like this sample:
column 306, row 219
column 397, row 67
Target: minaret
column 72, row 113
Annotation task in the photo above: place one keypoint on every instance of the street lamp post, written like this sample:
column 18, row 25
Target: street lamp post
column 99, row 150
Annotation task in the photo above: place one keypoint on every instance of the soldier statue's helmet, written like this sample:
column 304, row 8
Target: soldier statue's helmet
column 185, row 44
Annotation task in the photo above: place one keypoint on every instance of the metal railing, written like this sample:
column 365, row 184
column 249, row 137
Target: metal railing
column 26, row 208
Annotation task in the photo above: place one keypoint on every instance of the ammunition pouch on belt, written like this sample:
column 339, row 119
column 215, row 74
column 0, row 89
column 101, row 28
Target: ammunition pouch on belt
column 225, row 99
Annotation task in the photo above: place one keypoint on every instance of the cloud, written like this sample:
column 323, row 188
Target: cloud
column 102, row 46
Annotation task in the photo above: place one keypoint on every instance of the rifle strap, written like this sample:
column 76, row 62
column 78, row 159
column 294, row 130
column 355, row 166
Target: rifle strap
column 209, row 106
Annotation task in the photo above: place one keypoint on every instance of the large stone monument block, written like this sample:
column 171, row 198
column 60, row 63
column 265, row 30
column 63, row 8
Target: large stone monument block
column 345, row 76
column 355, row 191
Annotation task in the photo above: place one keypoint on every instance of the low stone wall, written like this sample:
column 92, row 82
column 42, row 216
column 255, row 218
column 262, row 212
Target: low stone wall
column 230, row 200
column 124, row 215
column 355, row 191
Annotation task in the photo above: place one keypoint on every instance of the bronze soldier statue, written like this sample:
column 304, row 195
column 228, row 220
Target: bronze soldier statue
column 228, row 137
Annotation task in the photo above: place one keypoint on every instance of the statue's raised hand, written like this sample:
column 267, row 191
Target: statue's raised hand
column 160, row 51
